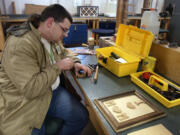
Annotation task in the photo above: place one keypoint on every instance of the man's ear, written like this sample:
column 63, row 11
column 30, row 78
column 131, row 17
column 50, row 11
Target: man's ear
column 49, row 22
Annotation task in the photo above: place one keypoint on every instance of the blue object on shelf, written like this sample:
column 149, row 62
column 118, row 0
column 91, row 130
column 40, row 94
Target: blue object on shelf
column 107, row 25
column 78, row 34
column 106, row 28
column 104, row 32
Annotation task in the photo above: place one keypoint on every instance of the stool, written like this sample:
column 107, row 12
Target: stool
column 102, row 32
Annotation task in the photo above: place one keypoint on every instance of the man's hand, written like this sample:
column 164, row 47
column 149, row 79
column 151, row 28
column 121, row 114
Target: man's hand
column 65, row 64
column 86, row 70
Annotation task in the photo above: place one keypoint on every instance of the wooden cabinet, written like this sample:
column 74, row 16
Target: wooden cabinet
column 168, row 61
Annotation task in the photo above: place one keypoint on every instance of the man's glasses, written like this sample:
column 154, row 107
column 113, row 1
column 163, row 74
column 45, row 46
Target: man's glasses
column 64, row 30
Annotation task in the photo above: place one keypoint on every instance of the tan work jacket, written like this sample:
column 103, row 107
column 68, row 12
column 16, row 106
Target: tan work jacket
column 26, row 76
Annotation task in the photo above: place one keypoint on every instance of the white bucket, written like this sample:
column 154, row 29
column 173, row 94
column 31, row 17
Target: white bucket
column 150, row 21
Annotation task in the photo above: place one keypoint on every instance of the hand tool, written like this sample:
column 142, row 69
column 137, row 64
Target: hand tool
column 96, row 74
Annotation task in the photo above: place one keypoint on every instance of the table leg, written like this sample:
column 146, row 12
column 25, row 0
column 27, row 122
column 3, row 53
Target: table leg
column 166, row 27
column 94, row 24
column 136, row 22
column 97, row 27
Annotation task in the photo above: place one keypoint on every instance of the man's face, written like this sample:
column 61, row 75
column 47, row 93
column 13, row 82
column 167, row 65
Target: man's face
column 59, row 30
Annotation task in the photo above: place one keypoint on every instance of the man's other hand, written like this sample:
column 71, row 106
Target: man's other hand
column 65, row 64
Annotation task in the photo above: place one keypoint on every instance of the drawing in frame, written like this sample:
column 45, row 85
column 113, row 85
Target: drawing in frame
column 127, row 110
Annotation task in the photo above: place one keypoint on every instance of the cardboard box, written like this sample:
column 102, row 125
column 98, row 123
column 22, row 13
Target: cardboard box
column 168, row 61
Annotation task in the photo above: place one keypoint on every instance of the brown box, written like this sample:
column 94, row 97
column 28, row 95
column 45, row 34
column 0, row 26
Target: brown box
column 31, row 8
column 168, row 61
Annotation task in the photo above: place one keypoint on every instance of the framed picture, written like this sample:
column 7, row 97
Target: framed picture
column 127, row 110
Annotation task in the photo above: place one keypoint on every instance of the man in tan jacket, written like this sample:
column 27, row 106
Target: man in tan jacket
column 29, row 77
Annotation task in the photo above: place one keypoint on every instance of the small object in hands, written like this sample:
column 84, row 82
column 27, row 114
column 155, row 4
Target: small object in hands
column 130, row 105
column 96, row 74
column 81, row 74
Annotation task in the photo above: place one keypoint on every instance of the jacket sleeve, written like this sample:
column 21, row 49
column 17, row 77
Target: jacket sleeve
column 21, row 64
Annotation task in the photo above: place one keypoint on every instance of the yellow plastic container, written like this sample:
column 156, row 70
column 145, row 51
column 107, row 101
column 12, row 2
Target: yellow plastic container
column 167, row 103
column 132, row 44
column 149, row 63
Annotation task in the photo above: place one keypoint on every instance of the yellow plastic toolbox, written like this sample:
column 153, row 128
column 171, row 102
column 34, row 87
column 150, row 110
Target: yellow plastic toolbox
column 135, row 77
column 132, row 44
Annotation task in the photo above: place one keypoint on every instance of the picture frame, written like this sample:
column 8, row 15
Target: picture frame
column 127, row 110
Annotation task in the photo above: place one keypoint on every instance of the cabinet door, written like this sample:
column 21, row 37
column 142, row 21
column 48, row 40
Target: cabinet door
column 78, row 34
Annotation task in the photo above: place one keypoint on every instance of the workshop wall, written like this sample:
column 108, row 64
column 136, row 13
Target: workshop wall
column 70, row 5
column 174, row 27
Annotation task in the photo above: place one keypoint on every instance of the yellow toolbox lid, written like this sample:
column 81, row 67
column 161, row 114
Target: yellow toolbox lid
column 134, row 40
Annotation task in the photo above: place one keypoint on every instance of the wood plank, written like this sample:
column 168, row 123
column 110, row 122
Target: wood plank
column 31, row 8
column 153, row 130
column 119, row 14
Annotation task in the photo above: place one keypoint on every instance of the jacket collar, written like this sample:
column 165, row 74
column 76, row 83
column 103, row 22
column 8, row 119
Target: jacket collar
column 35, row 31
